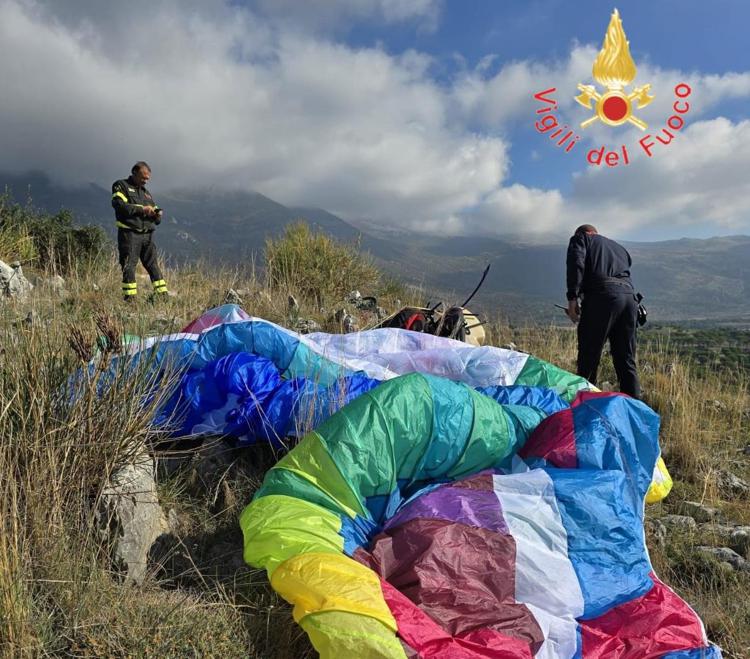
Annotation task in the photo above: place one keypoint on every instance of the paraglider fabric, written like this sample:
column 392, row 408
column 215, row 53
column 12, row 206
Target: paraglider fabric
column 255, row 381
column 485, row 504
column 426, row 520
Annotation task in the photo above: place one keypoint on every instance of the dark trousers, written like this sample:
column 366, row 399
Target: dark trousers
column 609, row 316
column 132, row 247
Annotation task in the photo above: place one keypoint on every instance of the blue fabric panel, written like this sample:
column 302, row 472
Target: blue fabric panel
column 356, row 532
column 617, row 432
column 540, row 397
column 605, row 537
column 711, row 652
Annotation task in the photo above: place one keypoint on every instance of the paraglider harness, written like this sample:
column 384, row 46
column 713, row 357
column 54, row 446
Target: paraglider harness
column 455, row 322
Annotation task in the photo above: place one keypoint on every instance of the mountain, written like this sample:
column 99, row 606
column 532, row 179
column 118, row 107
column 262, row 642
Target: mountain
column 681, row 279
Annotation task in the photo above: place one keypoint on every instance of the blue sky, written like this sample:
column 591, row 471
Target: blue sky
column 402, row 113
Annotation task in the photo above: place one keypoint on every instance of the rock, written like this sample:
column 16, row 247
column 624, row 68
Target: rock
column 746, row 450
column 292, row 304
column 725, row 555
column 739, row 540
column 731, row 484
column 133, row 516
column 606, row 386
column 697, row 511
column 366, row 304
column 340, row 314
column 656, row 530
column 95, row 287
column 12, row 281
column 306, row 326
column 354, row 297
column 55, row 284
column 510, row 346
column 32, row 319
column 678, row 522
column 232, row 297
column 350, row 324
column 381, row 313
column 720, row 532
column 718, row 405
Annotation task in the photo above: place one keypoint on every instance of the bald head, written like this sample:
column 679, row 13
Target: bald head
column 586, row 228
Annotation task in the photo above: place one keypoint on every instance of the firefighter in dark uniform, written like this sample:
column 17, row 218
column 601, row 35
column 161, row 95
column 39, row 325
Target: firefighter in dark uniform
column 137, row 215
column 598, row 271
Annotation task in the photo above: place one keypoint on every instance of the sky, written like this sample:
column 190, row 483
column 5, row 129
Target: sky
column 414, row 114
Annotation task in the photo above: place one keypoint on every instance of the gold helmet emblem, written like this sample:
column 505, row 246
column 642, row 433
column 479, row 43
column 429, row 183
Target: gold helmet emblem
column 614, row 69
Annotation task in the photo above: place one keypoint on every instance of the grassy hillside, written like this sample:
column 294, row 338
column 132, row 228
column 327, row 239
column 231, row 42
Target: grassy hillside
column 681, row 279
column 59, row 593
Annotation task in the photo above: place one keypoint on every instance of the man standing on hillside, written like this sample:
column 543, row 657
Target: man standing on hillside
column 598, row 270
column 136, row 215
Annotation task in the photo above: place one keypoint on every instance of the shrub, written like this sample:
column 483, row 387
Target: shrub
column 315, row 265
column 55, row 242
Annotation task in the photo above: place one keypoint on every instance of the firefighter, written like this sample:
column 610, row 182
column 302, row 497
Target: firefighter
column 137, row 216
column 598, row 271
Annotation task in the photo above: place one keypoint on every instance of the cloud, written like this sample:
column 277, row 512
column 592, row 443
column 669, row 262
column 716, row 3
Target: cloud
column 700, row 179
column 217, row 95
column 211, row 92
column 336, row 14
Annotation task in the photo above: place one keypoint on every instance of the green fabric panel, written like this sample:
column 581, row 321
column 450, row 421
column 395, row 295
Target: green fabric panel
column 360, row 437
column 311, row 462
column 491, row 440
column 538, row 373
column 287, row 483
column 337, row 634
column 276, row 528
column 452, row 420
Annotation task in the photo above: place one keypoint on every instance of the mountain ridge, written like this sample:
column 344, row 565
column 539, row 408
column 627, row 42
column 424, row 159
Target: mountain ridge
column 682, row 278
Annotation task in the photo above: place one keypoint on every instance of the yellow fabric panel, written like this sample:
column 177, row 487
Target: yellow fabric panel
column 661, row 485
column 277, row 527
column 121, row 196
column 336, row 634
column 315, row 582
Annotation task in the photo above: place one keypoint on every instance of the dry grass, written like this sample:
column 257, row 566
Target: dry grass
column 58, row 593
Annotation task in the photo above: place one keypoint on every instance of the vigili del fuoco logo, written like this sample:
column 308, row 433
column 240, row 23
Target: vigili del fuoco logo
column 615, row 71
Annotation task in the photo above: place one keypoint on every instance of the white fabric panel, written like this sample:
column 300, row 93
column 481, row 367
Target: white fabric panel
column 401, row 351
column 545, row 579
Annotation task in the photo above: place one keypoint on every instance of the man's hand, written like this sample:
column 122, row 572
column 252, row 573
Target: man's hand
column 149, row 211
column 574, row 311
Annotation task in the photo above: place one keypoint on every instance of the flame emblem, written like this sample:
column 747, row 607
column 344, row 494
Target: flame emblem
column 614, row 69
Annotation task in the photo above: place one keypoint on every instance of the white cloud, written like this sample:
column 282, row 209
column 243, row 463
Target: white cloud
column 699, row 179
column 211, row 93
column 219, row 96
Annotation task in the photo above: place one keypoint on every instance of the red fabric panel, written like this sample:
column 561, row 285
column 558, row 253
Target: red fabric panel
column 583, row 396
column 644, row 628
column 423, row 634
column 554, row 439
column 479, row 481
column 462, row 576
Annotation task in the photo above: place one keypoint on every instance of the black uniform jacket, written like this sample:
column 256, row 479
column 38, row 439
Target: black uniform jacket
column 128, row 201
column 596, row 264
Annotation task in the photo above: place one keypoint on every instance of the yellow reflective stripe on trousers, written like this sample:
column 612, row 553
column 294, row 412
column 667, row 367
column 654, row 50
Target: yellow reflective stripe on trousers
column 121, row 196
column 160, row 286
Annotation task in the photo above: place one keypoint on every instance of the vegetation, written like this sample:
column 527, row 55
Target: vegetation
column 316, row 266
column 50, row 242
column 59, row 593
